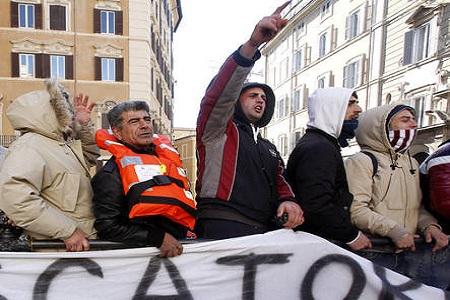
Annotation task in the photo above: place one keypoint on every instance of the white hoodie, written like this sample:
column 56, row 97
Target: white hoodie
column 327, row 108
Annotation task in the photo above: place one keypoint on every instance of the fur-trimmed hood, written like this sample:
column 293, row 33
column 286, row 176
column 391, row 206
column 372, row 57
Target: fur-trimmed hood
column 48, row 112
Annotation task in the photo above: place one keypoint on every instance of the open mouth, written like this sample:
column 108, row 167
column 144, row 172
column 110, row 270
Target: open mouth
column 258, row 108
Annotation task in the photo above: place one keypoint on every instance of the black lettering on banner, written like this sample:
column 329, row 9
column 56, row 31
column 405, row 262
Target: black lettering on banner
column 359, row 279
column 149, row 276
column 45, row 279
column 391, row 292
column 250, row 263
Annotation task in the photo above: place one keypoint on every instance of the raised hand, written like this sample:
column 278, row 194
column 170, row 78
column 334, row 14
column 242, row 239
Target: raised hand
column 264, row 31
column 83, row 108
column 268, row 27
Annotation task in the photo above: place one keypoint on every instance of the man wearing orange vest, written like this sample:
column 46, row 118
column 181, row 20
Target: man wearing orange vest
column 141, row 195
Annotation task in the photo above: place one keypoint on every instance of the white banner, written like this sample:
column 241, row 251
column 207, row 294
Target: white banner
column 276, row 265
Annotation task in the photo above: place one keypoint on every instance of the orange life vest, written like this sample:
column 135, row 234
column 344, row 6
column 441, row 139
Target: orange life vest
column 155, row 185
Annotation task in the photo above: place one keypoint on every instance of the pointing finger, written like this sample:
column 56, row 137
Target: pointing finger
column 280, row 8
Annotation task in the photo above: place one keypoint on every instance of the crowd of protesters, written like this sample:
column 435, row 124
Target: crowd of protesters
column 142, row 197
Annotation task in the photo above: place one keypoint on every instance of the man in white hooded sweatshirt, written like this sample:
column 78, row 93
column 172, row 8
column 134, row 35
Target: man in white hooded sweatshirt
column 316, row 170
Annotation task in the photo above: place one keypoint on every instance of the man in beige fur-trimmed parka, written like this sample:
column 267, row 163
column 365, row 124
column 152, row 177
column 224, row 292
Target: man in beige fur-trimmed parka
column 45, row 182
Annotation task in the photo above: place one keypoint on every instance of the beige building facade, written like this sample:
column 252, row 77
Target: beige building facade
column 382, row 49
column 110, row 50
column 185, row 142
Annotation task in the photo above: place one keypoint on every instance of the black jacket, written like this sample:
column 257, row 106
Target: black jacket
column 111, row 212
column 235, row 173
column 316, row 172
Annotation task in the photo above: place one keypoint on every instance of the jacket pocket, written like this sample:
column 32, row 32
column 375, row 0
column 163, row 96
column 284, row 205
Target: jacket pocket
column 69, row 189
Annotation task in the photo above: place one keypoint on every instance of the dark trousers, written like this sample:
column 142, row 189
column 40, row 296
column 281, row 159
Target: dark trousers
column 217, row 229
column 422, row 265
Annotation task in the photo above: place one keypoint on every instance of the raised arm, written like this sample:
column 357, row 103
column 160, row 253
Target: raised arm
column 217, row 106
column 85, row 133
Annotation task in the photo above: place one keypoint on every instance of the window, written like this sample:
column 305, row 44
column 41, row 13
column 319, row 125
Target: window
column 419, row 105
column 296, row 136
column 352, row 25
column 26, row 65
column 284, row 45
column 298, row 60
column 299, row 134
column 107, row 21
column 324, row 80
column 57, row 17
column 417, row 44
column 26, row 16
column 298, row 100
column 283, row 145
column 284, row 68
column 325, row 9
column 57, row 66
column 323, row 44
column 108, row 69
column 321, row 82
column 282, row 107
column 300, row 31
column 295, row 101
column 351, row 75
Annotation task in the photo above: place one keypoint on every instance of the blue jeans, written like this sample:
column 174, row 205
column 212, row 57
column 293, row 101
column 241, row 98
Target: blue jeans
column 422, row 265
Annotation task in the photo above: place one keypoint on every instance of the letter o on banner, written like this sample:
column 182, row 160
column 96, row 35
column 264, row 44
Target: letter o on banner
column 358, row 283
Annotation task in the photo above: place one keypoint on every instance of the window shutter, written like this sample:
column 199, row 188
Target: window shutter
column 69, row 66
column 363, row 69
column 365, row 18
column 119, row 69
column 332, row 43
column 98, row 68
column 14, row 64
column 42, row 65
column 407, row 48
column 38, row 66
column 348, row 22
column 38, row 15
column 14, row 14
column 303, row 97
column 96, row 20
column 345, row 84
column 105, row 123
column 57, row 17
column 119, row 22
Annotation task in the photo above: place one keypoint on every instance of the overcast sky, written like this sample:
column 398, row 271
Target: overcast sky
column 209, row 31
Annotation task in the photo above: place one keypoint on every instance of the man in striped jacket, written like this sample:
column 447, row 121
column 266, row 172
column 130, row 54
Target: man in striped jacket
column 241, row 187
column 435, row 172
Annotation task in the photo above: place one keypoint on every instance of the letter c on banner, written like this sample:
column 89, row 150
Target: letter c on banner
column 359, row 279
column 45, row 279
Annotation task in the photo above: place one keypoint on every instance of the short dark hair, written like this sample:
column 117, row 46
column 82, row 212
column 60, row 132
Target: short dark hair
column 115, row 114
column 354, row 94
